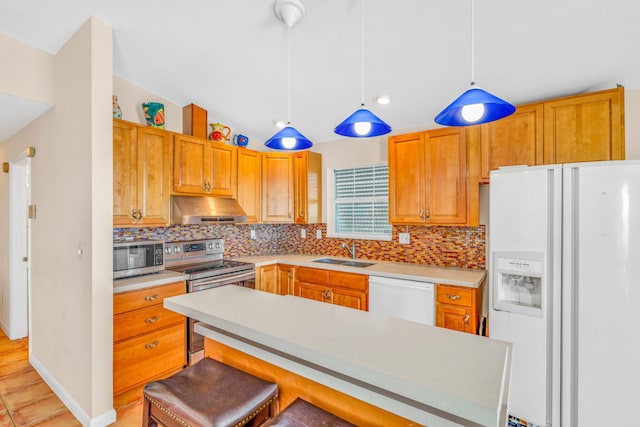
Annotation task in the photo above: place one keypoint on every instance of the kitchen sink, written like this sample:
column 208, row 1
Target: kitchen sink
column 343, row 262
column 357, row 264
column 329, row 261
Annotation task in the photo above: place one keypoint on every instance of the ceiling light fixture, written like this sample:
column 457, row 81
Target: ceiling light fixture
column 290, row 12
column 363, row 123
column 475, row 106
column 383, row 99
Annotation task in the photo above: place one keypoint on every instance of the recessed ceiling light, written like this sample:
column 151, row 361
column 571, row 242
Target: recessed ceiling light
column 279, row 123
column 383, row 99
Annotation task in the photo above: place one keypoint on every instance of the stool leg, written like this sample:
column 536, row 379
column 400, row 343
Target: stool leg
column 146, row 410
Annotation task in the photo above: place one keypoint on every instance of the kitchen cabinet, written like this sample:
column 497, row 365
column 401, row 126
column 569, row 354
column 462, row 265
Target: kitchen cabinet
column 458, row 307
column 428, row 178
column 334, row 287
column 249, row 183
column 514, row 140
column 275, row 278
column 277, row 187
column 204, row 167
column 585, row 128
column 141, row 175
column 580, row 128
column 307, row 183
column 149, row 341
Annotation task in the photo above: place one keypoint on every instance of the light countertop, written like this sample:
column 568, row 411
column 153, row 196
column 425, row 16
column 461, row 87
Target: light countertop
column 434, row 376
column 146, row 281
column 399, row 270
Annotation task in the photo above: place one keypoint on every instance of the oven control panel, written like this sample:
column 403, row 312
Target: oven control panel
column 193, row 248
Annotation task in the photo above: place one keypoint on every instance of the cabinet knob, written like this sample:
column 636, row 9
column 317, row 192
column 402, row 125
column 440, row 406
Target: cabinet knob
column 153, row 319
column 151, row 345
column 453, row 297
column 207, row 186
column 151, row 297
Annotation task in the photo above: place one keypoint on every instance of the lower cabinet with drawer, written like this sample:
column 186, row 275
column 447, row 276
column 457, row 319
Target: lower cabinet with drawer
column 334, row 287
column 149, row 341
column 458, row 307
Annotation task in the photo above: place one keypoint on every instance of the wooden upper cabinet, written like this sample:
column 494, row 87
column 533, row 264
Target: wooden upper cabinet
column 514, row 140
column 141, row 175
column 407, row 178
column 249, row 183
column 447, row 180
column 428, row 178
column 204, row 167
column 277, row 187
column 585, row 127
column 307, row 187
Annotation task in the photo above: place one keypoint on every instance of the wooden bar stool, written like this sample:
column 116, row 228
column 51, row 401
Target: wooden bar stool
column 209, row 394
column 303, row 414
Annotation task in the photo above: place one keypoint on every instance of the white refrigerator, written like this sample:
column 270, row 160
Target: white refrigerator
column 564, row 255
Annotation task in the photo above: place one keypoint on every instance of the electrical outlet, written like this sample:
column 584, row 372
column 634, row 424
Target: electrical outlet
column 253, row 234
column 303, row 233
column 318, row 234
column 404, row 238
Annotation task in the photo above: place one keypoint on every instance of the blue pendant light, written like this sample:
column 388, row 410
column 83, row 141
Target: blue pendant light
column 289, row 12
column 363, row 123
column 475, row 106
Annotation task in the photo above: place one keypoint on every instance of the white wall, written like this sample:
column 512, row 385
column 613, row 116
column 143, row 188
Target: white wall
column 72, row 296
column 632, row 123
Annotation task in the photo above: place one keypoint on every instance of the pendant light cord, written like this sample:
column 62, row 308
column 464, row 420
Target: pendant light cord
column 362, row 52
column 289, row 77
column 473, row 47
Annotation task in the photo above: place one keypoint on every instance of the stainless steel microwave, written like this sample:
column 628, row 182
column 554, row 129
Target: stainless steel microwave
column 137, row 257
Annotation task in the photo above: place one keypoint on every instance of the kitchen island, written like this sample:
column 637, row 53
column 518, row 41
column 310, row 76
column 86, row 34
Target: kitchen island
column 431, row 376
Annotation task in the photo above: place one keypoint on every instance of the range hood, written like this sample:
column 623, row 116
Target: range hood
column 205, row 210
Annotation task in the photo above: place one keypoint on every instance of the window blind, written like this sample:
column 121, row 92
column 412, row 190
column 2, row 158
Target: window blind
column 362, row 200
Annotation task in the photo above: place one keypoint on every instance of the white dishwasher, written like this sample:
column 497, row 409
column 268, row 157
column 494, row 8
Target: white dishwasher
column 403, row 299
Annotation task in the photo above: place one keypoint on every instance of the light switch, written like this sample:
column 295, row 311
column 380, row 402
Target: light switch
column 318, row 234
column 253, row 234
column 404, row 238
column 303, row 233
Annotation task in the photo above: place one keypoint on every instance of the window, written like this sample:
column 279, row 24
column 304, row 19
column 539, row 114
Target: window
column 359, row 203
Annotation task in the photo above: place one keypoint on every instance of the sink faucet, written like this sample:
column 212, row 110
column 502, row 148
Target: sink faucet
column 351, row 251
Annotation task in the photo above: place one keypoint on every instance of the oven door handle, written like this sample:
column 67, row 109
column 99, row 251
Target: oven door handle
column 211, row 280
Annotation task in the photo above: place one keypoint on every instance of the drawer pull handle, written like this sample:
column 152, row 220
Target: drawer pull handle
column 453, row 297
column 151, row 345
column 466, row 319
column 153, row 319
column 151, row 298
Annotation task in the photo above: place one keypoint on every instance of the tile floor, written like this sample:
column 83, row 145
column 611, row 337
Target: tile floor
column 26, row 400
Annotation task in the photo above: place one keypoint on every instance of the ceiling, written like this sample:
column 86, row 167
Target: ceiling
column 230, row 57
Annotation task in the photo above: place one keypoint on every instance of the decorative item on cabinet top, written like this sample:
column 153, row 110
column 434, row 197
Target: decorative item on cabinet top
column 219, row 132
column 117, row 112
column 240, row 140
column 153, row 114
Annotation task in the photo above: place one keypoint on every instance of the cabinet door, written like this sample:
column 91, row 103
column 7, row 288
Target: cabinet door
column 311, row 291
column 224, row 161
column 514, row 140
column 192, row 168
column 267, row 279
column 154, row 179
column 456, row 318
column 286, row 278
column 584, row 128
column 307, row 187
column 249, row 183
column 446, row 179
column 277, row 187
column 125, row 178
column 349, row 298
column 407, row 179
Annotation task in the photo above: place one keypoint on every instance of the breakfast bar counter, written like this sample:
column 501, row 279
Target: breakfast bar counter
column 431, row 376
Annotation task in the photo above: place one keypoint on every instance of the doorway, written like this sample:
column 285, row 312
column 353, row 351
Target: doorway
column 19, row 247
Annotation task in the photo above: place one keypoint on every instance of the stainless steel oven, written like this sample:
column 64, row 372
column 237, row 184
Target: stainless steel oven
column 202, row 261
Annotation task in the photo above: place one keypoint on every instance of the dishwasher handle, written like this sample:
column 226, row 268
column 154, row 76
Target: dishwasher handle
column 378, row 280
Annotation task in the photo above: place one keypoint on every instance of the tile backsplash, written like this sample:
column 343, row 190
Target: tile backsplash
column 461, row 247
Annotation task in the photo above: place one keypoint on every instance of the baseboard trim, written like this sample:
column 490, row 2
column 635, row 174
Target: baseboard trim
column 103, row 420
